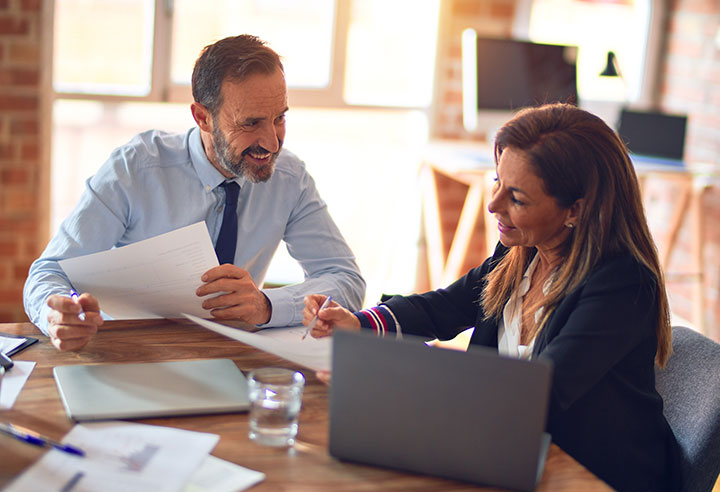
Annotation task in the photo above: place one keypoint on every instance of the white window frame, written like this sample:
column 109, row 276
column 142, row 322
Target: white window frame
column 162, row 89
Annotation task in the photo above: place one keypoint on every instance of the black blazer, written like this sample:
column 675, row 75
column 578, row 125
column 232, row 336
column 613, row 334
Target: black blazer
column 604, row 409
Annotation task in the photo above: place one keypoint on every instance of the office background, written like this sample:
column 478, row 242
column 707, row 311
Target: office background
column 351, row 140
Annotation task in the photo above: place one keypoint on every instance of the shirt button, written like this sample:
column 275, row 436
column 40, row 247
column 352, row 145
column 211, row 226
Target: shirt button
column 207, row 188
column 219, row 209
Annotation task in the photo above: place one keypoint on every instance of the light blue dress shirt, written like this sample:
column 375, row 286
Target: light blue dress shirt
column 160, row 181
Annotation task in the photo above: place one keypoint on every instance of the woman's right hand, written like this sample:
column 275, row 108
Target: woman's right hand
column 332, row 317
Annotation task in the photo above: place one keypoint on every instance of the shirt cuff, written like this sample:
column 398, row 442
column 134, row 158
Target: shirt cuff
column 380, row 319
column 42, row 320
column 282, row 307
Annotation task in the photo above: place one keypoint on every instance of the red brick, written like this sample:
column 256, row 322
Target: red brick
column 452, row 97
column 8, row 295
column 24, row 127
column 18, row 103
column 467, row 8
column 14, row 176
column 19, row 77
column 31, row 5
column 19, row 201
column 28, row 52
column 12, row 25
column 7, row 151
column 502, row 10
column 697, row 6
column 21, row 271
column 29, row 150
column 8, row 248
column 24, row 227
column 685, row 48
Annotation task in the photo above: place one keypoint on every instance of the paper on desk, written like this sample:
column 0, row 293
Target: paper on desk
column 154, row 278
column 13, row 382
column 216, row 475
column 284, row 342
column 120, row 456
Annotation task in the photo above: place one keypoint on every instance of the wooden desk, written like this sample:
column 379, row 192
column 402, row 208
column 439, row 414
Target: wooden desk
column 306, row 467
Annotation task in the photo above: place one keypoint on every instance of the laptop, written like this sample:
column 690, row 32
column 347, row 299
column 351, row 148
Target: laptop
column 151, row 389
column 473, row 416
column 652, row 135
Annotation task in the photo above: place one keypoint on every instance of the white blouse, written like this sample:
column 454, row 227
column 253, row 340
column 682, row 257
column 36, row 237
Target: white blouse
column 509, row 328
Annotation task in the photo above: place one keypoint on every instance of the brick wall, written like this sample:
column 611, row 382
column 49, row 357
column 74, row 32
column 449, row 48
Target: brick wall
column 690, row 83
column 691, row 75
column 23, row 188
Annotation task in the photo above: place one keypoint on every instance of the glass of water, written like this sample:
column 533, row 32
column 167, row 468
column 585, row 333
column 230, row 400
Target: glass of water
column 275, row 401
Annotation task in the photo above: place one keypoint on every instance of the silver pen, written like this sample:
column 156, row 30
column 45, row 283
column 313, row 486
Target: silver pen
column 325, row 304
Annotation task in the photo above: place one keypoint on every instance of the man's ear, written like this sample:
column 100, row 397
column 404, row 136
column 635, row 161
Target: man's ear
column 202, row 117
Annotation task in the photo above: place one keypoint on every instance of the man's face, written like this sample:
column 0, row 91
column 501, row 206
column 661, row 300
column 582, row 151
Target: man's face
column 249, row 128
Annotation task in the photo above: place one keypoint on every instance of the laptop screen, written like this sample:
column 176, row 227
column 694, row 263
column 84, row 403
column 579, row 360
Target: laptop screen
column 653, row 134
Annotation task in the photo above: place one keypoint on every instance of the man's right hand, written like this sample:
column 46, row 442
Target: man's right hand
column 67, row 329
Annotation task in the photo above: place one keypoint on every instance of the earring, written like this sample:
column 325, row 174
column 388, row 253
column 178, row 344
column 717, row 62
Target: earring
column 570, row 225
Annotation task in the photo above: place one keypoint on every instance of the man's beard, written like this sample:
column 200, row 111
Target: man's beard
column 239, row 166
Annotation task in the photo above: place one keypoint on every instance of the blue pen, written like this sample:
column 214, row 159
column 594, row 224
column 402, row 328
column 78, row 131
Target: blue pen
column 74, row 295
column 30, row 437
column 325, row 304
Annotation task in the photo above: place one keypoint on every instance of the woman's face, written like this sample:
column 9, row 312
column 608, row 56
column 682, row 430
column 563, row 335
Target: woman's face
column 526, row 215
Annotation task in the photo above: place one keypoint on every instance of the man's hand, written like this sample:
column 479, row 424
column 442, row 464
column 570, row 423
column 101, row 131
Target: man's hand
column 72, row 323
column 239, row 297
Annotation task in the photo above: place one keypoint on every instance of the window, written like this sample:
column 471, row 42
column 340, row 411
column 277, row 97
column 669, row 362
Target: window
column 301, row 32
column 103, row 46
column 596, row 27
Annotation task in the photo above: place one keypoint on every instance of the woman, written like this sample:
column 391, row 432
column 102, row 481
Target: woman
column 576, row 280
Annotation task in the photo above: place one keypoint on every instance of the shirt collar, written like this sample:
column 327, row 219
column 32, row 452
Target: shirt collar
column 210, row 177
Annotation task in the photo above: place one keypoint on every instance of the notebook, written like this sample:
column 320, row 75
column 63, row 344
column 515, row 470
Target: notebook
column 151, row 389
column 472, row 416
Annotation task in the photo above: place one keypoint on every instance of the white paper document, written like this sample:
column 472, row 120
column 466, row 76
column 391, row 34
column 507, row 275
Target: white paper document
column 154, row 278
column 313, row 353
column 13, row 381
column 216, row 475
column 120, row 456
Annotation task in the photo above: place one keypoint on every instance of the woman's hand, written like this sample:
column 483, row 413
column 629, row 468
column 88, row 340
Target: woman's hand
column 332, row 317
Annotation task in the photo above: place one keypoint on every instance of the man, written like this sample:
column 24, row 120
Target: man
column 159, row 182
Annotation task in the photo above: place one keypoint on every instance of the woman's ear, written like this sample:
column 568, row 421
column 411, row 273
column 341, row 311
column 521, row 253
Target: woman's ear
column 574, row 213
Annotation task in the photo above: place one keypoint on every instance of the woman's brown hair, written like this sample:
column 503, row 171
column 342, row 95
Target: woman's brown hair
column 578, row 156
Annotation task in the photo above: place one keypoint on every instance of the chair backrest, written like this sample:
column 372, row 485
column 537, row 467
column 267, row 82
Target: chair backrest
column 690, row 387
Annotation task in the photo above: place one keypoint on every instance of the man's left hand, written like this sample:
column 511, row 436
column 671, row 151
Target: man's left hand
column 239, row 298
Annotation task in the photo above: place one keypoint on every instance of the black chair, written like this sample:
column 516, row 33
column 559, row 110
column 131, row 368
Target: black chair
column 690, row 387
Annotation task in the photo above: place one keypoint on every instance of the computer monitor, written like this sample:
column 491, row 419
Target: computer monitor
column 501, row 76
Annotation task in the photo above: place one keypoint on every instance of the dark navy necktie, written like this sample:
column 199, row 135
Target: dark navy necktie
column 227, row 239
